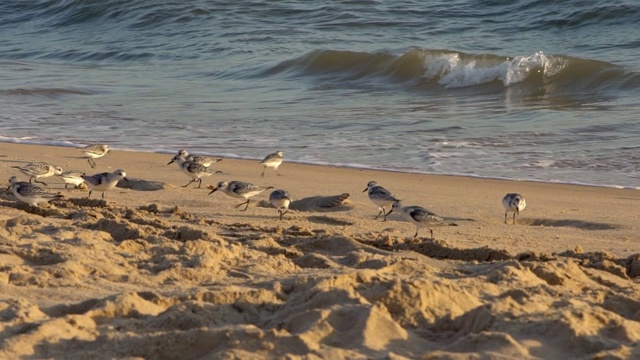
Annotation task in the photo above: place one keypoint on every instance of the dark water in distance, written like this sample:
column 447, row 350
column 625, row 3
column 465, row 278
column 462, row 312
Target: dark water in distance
column 540, row 90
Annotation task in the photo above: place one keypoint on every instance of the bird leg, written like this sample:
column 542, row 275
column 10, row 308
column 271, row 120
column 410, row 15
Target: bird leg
column 41, row 182
column 505, row 217
column 199, row 183
column 189, row 183
column 89, row 196
column 381, row 211
column 263, row 169
column 385, row 215
column 91, row 163
column 245, row 208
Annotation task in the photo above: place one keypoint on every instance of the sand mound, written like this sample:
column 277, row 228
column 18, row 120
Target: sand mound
column 157, row 282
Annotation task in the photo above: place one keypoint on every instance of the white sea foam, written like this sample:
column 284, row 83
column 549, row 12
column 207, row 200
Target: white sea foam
column 543, row 163
column 453, row 72
column 31, row 140
column 315, row 160
column 520, row 67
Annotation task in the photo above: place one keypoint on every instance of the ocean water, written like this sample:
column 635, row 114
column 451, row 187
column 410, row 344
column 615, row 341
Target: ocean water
column 519, row 89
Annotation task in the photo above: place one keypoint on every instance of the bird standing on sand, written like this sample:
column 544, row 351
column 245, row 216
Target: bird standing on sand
column 195, row 171
column 94, row 151
column 514, row 203
column 104, row 181
column 29, row 193
column 381, row 197
column 198, row 159
column 280, row 199
column 273, row 161
column 39, row 170
column 239, row 189
column 420, row 217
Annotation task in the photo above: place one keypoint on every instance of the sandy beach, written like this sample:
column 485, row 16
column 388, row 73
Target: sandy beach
column 159, row 271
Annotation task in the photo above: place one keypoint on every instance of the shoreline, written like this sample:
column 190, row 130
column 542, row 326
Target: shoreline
column 156, row 267
column 67, row 144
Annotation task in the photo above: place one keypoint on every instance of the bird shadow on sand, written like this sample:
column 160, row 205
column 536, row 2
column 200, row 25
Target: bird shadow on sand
column 327, row 220
column 142, row 185
column 74, row 157
column 574, row 223
column 320, row 203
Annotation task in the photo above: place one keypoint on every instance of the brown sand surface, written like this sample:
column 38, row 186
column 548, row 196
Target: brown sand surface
column 159, row 271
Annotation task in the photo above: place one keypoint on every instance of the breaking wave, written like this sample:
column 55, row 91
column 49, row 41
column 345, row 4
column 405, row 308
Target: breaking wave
column 454, row 70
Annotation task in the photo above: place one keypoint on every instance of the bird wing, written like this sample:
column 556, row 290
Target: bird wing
column 382, row 193
column 27, row 188
column 270, row 157
column 96, row 179
column 421, row 214
column 195, row 168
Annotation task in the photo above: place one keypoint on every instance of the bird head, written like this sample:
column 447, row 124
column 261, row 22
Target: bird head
column 370, row 184
column 176, row 158
column 121, row 174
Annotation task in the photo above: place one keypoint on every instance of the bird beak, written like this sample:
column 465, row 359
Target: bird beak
column 125, row 179
column 365, row 189
column 213, row 190
column 170, row 162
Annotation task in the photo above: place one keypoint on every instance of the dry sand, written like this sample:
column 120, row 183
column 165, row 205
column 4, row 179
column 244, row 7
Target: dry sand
column 158, row 271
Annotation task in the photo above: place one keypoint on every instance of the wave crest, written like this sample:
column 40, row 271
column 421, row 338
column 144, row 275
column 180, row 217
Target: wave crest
column 452, row 70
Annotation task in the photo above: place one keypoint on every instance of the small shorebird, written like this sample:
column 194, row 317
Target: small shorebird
column 280, row 200
column 420, row 217
column 29, row 193
column 381, row 197
column 195, row 171
column 514, row 203
column 39, row 170
column 198, row 159
column 273, row 161
column 239, row 189
column 94, row 151
column 72, row 177
column 104, row 181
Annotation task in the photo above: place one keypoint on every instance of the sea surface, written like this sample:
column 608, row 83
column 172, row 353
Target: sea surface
column 519, row 89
